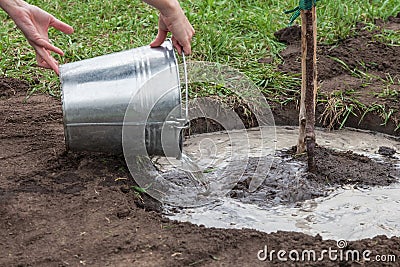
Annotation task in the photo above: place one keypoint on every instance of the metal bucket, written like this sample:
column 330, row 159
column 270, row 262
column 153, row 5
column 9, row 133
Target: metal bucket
column 138, row 89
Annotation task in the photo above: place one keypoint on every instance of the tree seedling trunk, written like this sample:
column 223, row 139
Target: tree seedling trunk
column 306, row 140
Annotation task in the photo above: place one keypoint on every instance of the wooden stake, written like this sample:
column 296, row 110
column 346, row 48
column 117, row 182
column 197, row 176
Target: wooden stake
column 308, row 86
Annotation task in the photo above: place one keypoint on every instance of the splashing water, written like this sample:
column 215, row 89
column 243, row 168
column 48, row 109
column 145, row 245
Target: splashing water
column 210, row 167
column 194, row 172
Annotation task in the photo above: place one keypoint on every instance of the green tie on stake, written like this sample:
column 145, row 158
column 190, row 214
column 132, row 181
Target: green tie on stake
column 306, row 141
column 303, row 5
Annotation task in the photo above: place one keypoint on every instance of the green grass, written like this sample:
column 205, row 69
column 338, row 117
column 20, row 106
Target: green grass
column 236, row 33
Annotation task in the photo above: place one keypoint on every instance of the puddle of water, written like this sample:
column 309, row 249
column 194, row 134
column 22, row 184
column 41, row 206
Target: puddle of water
column 354, row 214
column 345, row 214
column 214, row 163
column 348, row 214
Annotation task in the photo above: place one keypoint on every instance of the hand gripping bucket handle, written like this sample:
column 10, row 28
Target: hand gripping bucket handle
column 133, row 94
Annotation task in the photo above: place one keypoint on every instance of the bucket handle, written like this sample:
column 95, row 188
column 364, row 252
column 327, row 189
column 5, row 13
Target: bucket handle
column 186, row 87
column 185, row 122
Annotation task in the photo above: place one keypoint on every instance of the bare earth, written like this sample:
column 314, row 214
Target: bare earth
column 66, row 209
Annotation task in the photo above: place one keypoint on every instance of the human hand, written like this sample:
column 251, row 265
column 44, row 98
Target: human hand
column 34, row 23
column 181, row 29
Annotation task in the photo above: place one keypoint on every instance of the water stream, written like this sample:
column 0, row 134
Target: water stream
column 348, row 212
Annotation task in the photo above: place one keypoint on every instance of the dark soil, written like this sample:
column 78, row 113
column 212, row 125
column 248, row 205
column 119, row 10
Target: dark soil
column 334, row 169
column 73, row 209
column 352, row 71
column 68, row 209
column 353, row 171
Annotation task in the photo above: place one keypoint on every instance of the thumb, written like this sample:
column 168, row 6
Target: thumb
column 161, row 36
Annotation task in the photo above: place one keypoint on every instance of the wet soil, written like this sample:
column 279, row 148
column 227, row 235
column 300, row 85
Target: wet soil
column 71, row 209
column 285, row 184
column 74, row 209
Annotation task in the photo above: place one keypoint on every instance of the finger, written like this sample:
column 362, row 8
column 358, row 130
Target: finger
column 187, row 44
column 177, row 46
column 44, row 59
column 41, row 62
column 161, row 36
column 48, row 46
column 61, row 26
column 187, row 48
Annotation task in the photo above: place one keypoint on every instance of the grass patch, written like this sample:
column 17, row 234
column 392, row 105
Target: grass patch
column 236, row 33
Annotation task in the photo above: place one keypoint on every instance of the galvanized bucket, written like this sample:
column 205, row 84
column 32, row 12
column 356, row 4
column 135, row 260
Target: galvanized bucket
column 98, row 93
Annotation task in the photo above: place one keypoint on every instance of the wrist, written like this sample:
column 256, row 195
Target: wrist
column 171, row 8
column 13, row 6
column 166, row 7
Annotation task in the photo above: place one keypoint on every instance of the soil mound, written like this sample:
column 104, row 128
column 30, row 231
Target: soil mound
column 358, row 78
column 70, row 209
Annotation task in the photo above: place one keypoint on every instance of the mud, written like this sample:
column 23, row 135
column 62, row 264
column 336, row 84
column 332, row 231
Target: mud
column 286, row 184
column 353, row 195
column 66, row 209
column 69, row 209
